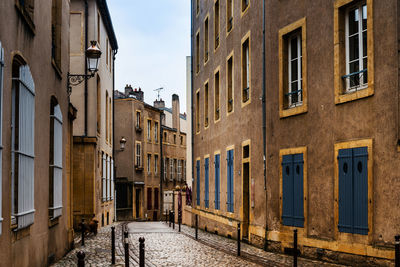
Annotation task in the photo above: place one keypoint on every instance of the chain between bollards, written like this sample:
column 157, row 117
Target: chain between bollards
column 196, row 226
column 83, row 232
column 397, row 251
column 238, row 239
column 295, row 248
column 81, row 258
column 126, row 243
column 141, row 252
column 112, row 245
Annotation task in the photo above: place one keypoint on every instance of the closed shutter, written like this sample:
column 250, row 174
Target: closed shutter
column 57, row 163
column 206, row 176
column 198, row 183
column 25, row 151
column 108, row 178
column 112, row 179
column 1, row 129
column 230, row 193
column 287, row 190
column 216, row 162
column 298, row 188
column 345, row 190
column 103, row 173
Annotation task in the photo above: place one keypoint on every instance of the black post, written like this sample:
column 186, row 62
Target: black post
column 173, row 220
column 397, row 251
column 83, row 231
column 112, row 245
column 126, row 248
column 166, row 216
column 141, row 252
column 295, row 248
column 81, row 258
column 196, row 226
column 238, row 239
column 169, row 217
column 179, row 222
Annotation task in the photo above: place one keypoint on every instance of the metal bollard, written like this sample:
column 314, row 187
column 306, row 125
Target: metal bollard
column 112, row 245
column 238, row 239
column 179, row 222
column 397, row 251
column 83, row 232
column 126, row 248
column 173, row 220
column 81, row 258
column 141, row 252
column 295, row 248
column 166, row 216
column 196, row 226
column 169, row 218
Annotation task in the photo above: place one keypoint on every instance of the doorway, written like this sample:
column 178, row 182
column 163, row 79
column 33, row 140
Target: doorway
column 137, row 203
column 246, row 200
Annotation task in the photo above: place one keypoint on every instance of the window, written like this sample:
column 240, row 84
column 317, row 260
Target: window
column 165, row 137
column 155, row 164
column 292, row 190
column 22, row 145
column 112, row 179
column 216, row 24
column 110, row 119
column 149, row 130
column 174, row 138
column 103, row 177
column 171, row 172
column 179, row 170
column 148, row 163
column 138, row 163
column 137, row 119
column 246, row 69
column 217, row 199
column 149, row 204
column 106, row 113
column 56, row 22
column 197, row 52
column 165, row 168
column 98, row 104
column 292, row 69
column 354, row 56
column 230, row 177
column 206, row 182
column 56, row 160
column 1, row 129
column 26, row 9
column 181, row 140
column 156, row 194
column 229, row 15
column 198, row 182
column 245, row 5
column 230, row 83
column 108, row 177
column 206, row 40
column 216, row 96
column 184, row 170
column 156, row 132
column 206, row 105
column 198, row 111
column 353, row 166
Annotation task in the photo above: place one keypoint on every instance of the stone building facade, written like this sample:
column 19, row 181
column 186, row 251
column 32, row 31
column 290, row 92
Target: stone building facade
column 93, row 134
column 36, row 132
column 331, row 79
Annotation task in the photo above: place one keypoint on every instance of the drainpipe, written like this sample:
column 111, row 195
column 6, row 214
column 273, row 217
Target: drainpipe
column 398, row 73
column 191, row 91
column 264, row 116
column 112, row 139
column 86, row 81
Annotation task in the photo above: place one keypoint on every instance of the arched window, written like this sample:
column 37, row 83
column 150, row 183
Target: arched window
column 56, row 152
column 22, row 145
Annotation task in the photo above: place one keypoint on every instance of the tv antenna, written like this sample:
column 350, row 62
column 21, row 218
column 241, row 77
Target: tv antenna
column 158, row 92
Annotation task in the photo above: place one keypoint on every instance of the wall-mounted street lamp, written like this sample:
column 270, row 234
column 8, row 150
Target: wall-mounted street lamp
column 122, row 143
column 93, row 54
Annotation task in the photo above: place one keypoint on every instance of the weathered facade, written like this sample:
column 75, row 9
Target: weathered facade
column 138, row 165
column 93, row 135
column 36, row 133
column 331, row 118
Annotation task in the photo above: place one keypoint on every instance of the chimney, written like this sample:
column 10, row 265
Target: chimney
column 159, row 103
column 128, row 90
column 175, row 112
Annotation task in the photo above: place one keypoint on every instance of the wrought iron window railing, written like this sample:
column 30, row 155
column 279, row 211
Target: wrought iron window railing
column 356, row 80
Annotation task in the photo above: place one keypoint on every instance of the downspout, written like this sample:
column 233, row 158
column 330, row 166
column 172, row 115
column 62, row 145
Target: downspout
column 86, row 67
column 191, row 92
column 264, row 116
column 398, row 73
column 112, row 139
column 162, row 168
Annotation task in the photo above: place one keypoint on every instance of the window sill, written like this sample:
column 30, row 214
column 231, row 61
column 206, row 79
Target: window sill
column 283, row 113
column 26, row 18
column 53, row 221
column 20, row 233
column 56, row 68
column 363, row 93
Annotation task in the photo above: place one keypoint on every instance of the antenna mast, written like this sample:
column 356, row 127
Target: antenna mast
column 158, row 92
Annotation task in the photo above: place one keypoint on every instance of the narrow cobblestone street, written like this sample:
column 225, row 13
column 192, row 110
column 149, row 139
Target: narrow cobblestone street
column 165, row 246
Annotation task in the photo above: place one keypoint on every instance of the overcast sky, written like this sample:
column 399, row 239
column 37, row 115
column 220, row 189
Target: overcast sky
column 154, row 39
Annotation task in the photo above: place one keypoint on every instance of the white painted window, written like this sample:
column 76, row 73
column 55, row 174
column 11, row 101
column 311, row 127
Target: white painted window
column 356, row 47
column 55, row 209
column 103, row 178
column 1, row 129
column 148, row 163
column 179, row 170
column 165, row 169
column 171, row 165
column 112, row 179
column 148, row 130
column 156, row 132
column 295, row 94
column 155, row 164
column 137, row 119
column 138, row 162
column 23, row 148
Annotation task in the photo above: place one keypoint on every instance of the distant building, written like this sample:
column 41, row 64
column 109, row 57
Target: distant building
column 93, row 134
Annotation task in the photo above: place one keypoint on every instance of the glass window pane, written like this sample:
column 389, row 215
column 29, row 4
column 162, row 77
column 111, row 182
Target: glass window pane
column 364, row 36
column 294, row 69
column 364, row 15
column 353, row 48
column 293, row 48
column 353, row 21
column 354, row 79
column 365, row 74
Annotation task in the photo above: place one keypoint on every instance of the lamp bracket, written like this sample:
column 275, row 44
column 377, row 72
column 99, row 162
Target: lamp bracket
column 75, row 79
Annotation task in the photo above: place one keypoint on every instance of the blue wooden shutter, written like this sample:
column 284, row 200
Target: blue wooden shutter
column 287, row 190
column 206, row 176
column 230, row 180
column 198, row 183
column 345, row 190
column 298, row 190
column 217, row 157
column 360, row 176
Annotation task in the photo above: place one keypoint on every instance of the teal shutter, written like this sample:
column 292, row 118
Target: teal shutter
column 345, row 190
column 198, row 183
column 287, row 190
column 298, row 186
column 217, row 200
column 360, row 176
column 230, row 180
column 206, row 176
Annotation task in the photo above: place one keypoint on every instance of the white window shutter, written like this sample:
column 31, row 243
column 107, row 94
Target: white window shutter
column 57, row 167
column 26, row 155
column 104, row 197
column 108, row 178
column 1, row 129
column 112, row 179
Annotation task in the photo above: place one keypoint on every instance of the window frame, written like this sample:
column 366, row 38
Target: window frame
column 148, row 131
column 297, row 37
column 244, row 11
column 138, row 154
column 148, row 163
column 217, row 101
column 155, row 164
column 228, row 58
column 197, row 51
column 206, row 104
column 138, row 119
column 246, row 65
column 206, row 39
column 230, row 10
column 284, row 109
column 217, row 19
column 156, row 132
column 197, row 119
